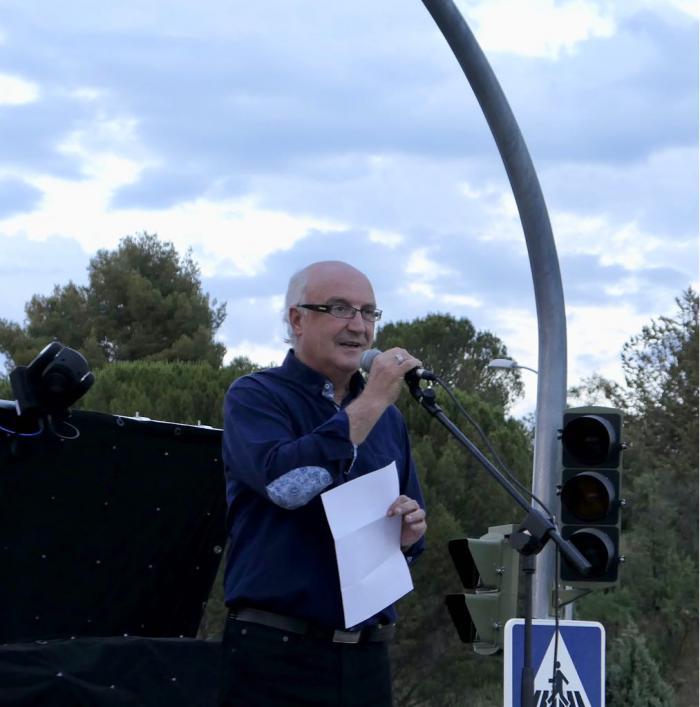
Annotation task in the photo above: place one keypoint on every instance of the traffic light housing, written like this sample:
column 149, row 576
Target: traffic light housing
column 591, row 444
column 488, row 568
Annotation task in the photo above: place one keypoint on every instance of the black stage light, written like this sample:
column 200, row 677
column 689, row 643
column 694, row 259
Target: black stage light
column 53, row 381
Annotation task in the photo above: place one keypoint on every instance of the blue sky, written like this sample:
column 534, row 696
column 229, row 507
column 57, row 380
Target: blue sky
column 264, row 136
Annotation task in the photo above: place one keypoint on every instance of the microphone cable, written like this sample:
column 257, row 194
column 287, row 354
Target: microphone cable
column 504, row 468
column 47, row 423
column 52, row 426
column 17, row 433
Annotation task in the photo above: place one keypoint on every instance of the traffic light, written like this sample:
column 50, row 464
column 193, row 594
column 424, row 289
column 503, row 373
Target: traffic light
column 488, row 568
column 591, row 441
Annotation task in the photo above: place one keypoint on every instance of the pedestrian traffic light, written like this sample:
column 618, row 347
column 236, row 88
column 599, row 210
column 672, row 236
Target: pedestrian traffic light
column 488, row 568
column 591, row 442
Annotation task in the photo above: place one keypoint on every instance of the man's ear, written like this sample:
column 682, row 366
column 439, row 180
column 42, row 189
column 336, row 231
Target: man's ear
column 295, row 317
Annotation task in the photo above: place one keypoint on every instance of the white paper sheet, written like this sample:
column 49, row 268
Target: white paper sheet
column 372, row 569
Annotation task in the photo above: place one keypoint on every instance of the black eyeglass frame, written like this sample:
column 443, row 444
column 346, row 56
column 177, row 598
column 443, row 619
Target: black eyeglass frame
column 369, row 314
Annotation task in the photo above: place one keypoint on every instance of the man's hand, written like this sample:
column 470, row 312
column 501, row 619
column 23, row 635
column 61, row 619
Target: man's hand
column 386, row 379
column 413, row 525
column 384, row 384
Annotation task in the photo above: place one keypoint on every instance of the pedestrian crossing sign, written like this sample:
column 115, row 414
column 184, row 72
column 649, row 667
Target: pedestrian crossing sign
column 568, row 664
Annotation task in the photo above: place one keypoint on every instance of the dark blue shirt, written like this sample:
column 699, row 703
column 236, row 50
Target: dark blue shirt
column 286, row 441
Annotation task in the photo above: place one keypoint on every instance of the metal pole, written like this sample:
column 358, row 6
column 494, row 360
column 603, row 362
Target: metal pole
column 544, row 264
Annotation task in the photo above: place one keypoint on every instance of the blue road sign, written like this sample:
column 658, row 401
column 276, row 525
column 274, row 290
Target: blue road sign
column 569, row 665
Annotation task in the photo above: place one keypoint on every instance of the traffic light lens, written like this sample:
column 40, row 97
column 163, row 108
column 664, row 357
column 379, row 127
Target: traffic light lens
column 597, row 548
column 589, row 491
column 588, row 496
column 588, row 439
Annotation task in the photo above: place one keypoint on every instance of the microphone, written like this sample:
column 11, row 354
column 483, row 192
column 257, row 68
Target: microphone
column 413, row 376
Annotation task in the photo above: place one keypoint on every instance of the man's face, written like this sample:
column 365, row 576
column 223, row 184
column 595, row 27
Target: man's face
column 329, row 345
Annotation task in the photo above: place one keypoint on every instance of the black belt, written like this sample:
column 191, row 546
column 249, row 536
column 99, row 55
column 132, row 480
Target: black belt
column 372, row 634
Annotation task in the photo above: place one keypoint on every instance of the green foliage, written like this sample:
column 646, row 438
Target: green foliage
column 633, row 676
column 432, row 667
column 190, row 393
column 458, row 353
column 468, row 493
column 661, row 363
column 143, row 302
column 145, row 314
column 659, row 587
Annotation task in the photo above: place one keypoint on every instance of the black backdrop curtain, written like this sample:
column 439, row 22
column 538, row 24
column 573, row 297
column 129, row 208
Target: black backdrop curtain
column 115, row 534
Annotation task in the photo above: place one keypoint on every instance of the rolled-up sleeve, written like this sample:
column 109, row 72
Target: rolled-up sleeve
column 263, row 450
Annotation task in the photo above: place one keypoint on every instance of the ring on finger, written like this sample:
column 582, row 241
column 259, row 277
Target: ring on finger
column 400, row 358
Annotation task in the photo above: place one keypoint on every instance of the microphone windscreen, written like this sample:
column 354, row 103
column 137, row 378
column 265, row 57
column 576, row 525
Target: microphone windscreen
column 367, row 358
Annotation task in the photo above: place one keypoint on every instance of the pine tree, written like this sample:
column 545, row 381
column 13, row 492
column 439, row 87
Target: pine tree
column 658, row 589
column 633, row 676
column 142, row 302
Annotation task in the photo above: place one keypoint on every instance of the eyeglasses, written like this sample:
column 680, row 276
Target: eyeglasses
column 345, row 311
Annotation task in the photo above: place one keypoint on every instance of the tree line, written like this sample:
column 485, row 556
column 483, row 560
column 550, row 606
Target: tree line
column 148, row 329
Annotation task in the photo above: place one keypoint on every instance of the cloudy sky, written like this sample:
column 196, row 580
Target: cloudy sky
column 267, row 135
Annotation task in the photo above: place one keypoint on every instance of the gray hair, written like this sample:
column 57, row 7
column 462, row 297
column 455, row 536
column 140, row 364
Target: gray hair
column 296, row 292
column 296, row 289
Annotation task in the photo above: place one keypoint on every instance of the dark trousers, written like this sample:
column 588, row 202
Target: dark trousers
column 266, row 667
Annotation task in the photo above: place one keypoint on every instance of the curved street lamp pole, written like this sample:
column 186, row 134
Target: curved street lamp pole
column 544, row 264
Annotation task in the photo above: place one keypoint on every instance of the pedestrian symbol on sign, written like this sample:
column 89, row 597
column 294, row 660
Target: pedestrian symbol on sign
column 557, row 683
column 568, row 660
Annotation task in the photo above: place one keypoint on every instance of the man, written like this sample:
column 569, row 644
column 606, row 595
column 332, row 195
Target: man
column 291, row 433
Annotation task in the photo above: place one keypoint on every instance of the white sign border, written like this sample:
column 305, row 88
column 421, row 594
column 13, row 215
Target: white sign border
column 508, row 652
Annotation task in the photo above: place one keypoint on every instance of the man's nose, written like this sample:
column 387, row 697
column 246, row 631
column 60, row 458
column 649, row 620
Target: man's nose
column 357, row 323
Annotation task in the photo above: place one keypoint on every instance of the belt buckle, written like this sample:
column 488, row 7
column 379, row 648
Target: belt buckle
column 340, row 636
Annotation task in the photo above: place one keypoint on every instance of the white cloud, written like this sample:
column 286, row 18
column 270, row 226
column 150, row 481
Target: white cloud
column 105, row 134
column 423, row 272
column 596, row 336
column 421, row 266
column 421, row 289
column 689, row 7
column 15, row 91
column 391, row 239
column 462, row 301
column 518, row 327
column 479, row 193
column 235, row 234
column 537, row 28
column 381, row 136
column 262, row 354
column 627, row 244
column 86, row 93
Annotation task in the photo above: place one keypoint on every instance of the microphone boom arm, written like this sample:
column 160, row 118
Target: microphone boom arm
column 537, row 528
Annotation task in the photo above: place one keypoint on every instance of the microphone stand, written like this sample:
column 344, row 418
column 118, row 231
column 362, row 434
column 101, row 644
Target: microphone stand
column 530, row 538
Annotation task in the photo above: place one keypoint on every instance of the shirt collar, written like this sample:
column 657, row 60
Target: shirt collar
column 314, row 380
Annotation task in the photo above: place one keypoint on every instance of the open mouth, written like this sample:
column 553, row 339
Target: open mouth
column 351, row 344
